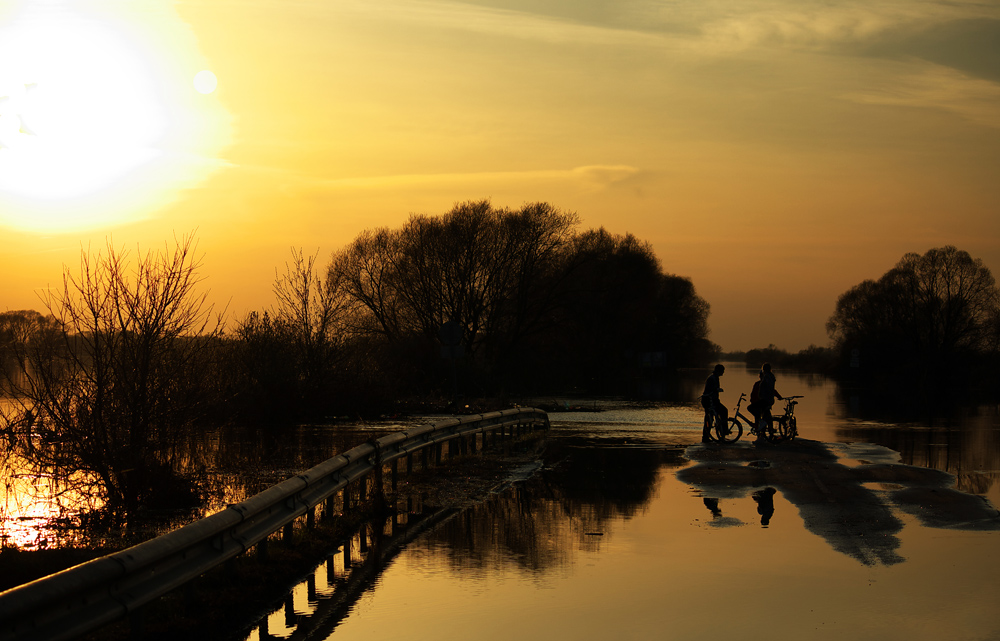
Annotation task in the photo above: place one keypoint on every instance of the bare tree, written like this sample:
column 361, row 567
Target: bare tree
column 115, row 380
column 312, row 310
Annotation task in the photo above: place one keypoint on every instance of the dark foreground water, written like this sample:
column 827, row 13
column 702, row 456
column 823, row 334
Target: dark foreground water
column 605, row 541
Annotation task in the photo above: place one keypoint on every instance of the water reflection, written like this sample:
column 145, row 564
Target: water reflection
column 576, row 502
column 765, row 504
column 609, row 544
column 969, row 448
column 50, row 508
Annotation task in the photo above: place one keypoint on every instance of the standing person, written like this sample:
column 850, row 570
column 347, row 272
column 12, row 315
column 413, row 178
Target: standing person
column 753, row 407
column 710, row 400
column 766, row 394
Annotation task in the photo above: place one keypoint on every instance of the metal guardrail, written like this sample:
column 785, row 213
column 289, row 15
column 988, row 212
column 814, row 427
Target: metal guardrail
column 88, row 596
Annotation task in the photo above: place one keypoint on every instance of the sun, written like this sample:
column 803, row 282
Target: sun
column 205, row 81
column 87, row 115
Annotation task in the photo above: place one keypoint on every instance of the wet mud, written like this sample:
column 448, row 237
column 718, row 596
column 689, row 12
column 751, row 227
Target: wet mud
column 849, row 495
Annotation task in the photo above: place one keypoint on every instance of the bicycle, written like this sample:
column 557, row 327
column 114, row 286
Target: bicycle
column 781, row 428
column 720, row 430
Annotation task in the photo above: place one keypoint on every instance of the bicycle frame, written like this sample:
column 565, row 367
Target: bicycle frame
column 737, row 414
column 782, row 427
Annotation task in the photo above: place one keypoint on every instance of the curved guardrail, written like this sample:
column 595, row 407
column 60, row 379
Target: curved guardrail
column 83, row 598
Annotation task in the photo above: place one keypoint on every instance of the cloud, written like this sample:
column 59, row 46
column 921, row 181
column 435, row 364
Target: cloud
column 591, row 177
column 939, row 87
column 505, row 22
column 969, row 45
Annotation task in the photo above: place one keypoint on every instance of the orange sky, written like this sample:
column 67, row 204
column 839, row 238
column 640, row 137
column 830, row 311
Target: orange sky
column 776, row 152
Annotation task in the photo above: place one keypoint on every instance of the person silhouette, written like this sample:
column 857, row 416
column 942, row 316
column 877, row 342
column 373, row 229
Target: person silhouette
column 713, row 507
column 710, row 401
column 760, row 406
column 765, row 504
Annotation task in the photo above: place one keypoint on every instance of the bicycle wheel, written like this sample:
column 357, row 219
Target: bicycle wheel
column 728, row 433
column 772, row 431
column 780, row 429
column 792, row 428
column 709, row 427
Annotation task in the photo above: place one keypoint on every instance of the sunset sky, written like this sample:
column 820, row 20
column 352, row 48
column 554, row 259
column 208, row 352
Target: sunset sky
column 777, row 152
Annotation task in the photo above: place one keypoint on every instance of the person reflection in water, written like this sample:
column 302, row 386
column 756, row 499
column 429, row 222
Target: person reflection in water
column 713, row 507
column 765, row 504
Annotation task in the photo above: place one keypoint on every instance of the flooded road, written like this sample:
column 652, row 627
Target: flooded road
column 631, row 529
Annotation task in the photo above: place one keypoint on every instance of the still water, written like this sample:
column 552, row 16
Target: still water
column 605, row 541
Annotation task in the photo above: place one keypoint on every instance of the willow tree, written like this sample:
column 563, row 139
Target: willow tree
column 110, row 386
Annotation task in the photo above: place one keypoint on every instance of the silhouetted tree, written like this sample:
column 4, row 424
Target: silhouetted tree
column 615, row 305
column 263, row 377
column 923, row 320
column 481, row 267
column 537, row 303
column 113, row 381
column 312, row 310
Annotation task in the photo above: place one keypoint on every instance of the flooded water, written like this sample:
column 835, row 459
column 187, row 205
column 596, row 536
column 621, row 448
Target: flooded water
column 629, row 528
column 607, row 541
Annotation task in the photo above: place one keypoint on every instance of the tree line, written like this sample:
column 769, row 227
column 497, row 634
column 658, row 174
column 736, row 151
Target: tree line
column 925, row 335
column 128, row 358
column 927, row 330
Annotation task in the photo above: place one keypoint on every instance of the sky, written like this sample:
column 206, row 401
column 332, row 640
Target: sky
column 776, row 152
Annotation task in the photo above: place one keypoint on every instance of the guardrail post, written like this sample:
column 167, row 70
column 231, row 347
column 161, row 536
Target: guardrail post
column 262, row 551
column 311, row 518
column 472, row 442
column 437, row 454
column 379, row 480
column 137, row 624
column 395, row 474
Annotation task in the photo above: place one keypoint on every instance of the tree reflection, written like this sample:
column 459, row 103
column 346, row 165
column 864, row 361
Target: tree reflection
column 965, row 443
column 573, row 505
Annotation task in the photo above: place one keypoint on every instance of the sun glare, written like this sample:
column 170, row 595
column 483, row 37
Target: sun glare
column 84, row 111
column 205, row 81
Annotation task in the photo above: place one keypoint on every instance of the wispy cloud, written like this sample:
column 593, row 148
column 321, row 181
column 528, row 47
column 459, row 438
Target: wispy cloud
column 590, row 177
column 492, row 21
column 939, row 87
